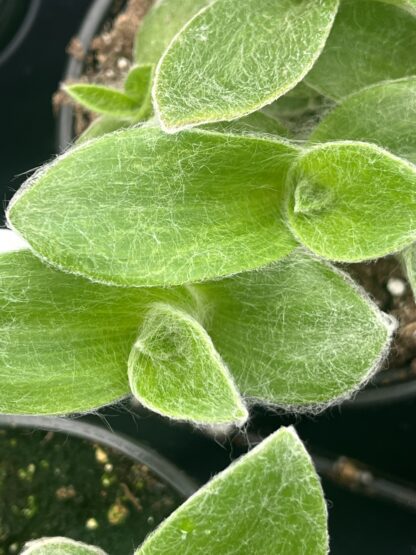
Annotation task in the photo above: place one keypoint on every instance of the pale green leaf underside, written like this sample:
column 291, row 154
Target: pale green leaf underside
column 384, row 113
column 268, row 502
column 369, row 42
column 104, row 100
column 295, row 333
column 162, row 22
column 64, row 341
column 60, row 546
column 139, row 207
column 175, row 370
column 352, row 201
column 235, row 57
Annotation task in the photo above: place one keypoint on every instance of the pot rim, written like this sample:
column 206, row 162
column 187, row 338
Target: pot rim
column 374, row 394
column 21, row 32
column 138, row 452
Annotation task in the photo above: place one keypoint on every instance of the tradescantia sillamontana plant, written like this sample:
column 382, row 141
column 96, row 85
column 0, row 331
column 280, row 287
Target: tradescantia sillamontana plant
column 276, row 476
column 187, row 259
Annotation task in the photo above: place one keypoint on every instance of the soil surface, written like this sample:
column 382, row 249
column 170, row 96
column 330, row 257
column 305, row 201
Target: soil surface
column 55, row 485
column 108, row 63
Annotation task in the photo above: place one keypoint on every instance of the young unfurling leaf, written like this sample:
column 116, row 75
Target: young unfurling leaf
column 104, row 100
column 369, row 42
column 235, row 57
column 267, row 502
column 384, row 113
column 140, row 207
column 351, row 201
column 295, row 334
column 60, row 546
column 64, row 341
column 175, row 370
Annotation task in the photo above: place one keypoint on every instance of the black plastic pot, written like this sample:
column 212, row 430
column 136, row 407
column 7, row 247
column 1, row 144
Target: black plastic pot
column 386, row 387
column 137, row 452
column 16, row 18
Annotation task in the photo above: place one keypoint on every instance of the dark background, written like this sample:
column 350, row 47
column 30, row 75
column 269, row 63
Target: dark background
column 383, row 437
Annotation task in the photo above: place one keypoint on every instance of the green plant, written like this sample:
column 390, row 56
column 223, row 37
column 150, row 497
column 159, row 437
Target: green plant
column 183, row 258
column 277, row 476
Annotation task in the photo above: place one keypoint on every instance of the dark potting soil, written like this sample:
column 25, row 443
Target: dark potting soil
column 55, row 485
column 109, row 61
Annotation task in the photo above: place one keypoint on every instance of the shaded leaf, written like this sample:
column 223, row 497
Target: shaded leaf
column 64, row 341
column 160, row 25
column 295, row 102
column 60, row 546
column 104, row 100
column 269, row 501
column 235, row 57
column 140, row 207
column 352, row 201
column 369, row 42
column 408, row 257
column 384, row 113
column 101, row 126
column 295, row 334
column 256, row 122
column 175, row 370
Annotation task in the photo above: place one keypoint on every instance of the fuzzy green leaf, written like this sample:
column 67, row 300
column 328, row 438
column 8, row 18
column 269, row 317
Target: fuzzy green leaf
column 163, row 21
column 175, row 370
column 384, row 113
column 235, row 57
column 352, row 201
column 60, row 546
column 64, row 341
column 104, row 100
column 369, row 42
column 297, row 334
column 140, row 207
column 256, row 122
column 295, row 102
column 267, row 502
column 408, row 5
column 101, row 126
column 138, row 83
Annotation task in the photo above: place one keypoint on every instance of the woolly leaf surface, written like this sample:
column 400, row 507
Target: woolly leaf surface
column 60, row 546
column 352, row 201
column 175, row 370
column 64, row 341
column 140, row 207
column 409, row 260
column 384, row 113
column 104, row 100
column 369, row 42
column 269, row 501
column 235, row 57
column 297, row 334
column 163, row 21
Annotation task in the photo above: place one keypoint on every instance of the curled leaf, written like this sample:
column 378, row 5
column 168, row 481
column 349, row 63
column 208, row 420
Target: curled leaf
column 298, row 334
column 139, row 207
column 269, row 501
column 363, row 201
column 370, row 41
column 64, row 341
column 175, row 370
column 384, row 113
column 233, row 58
